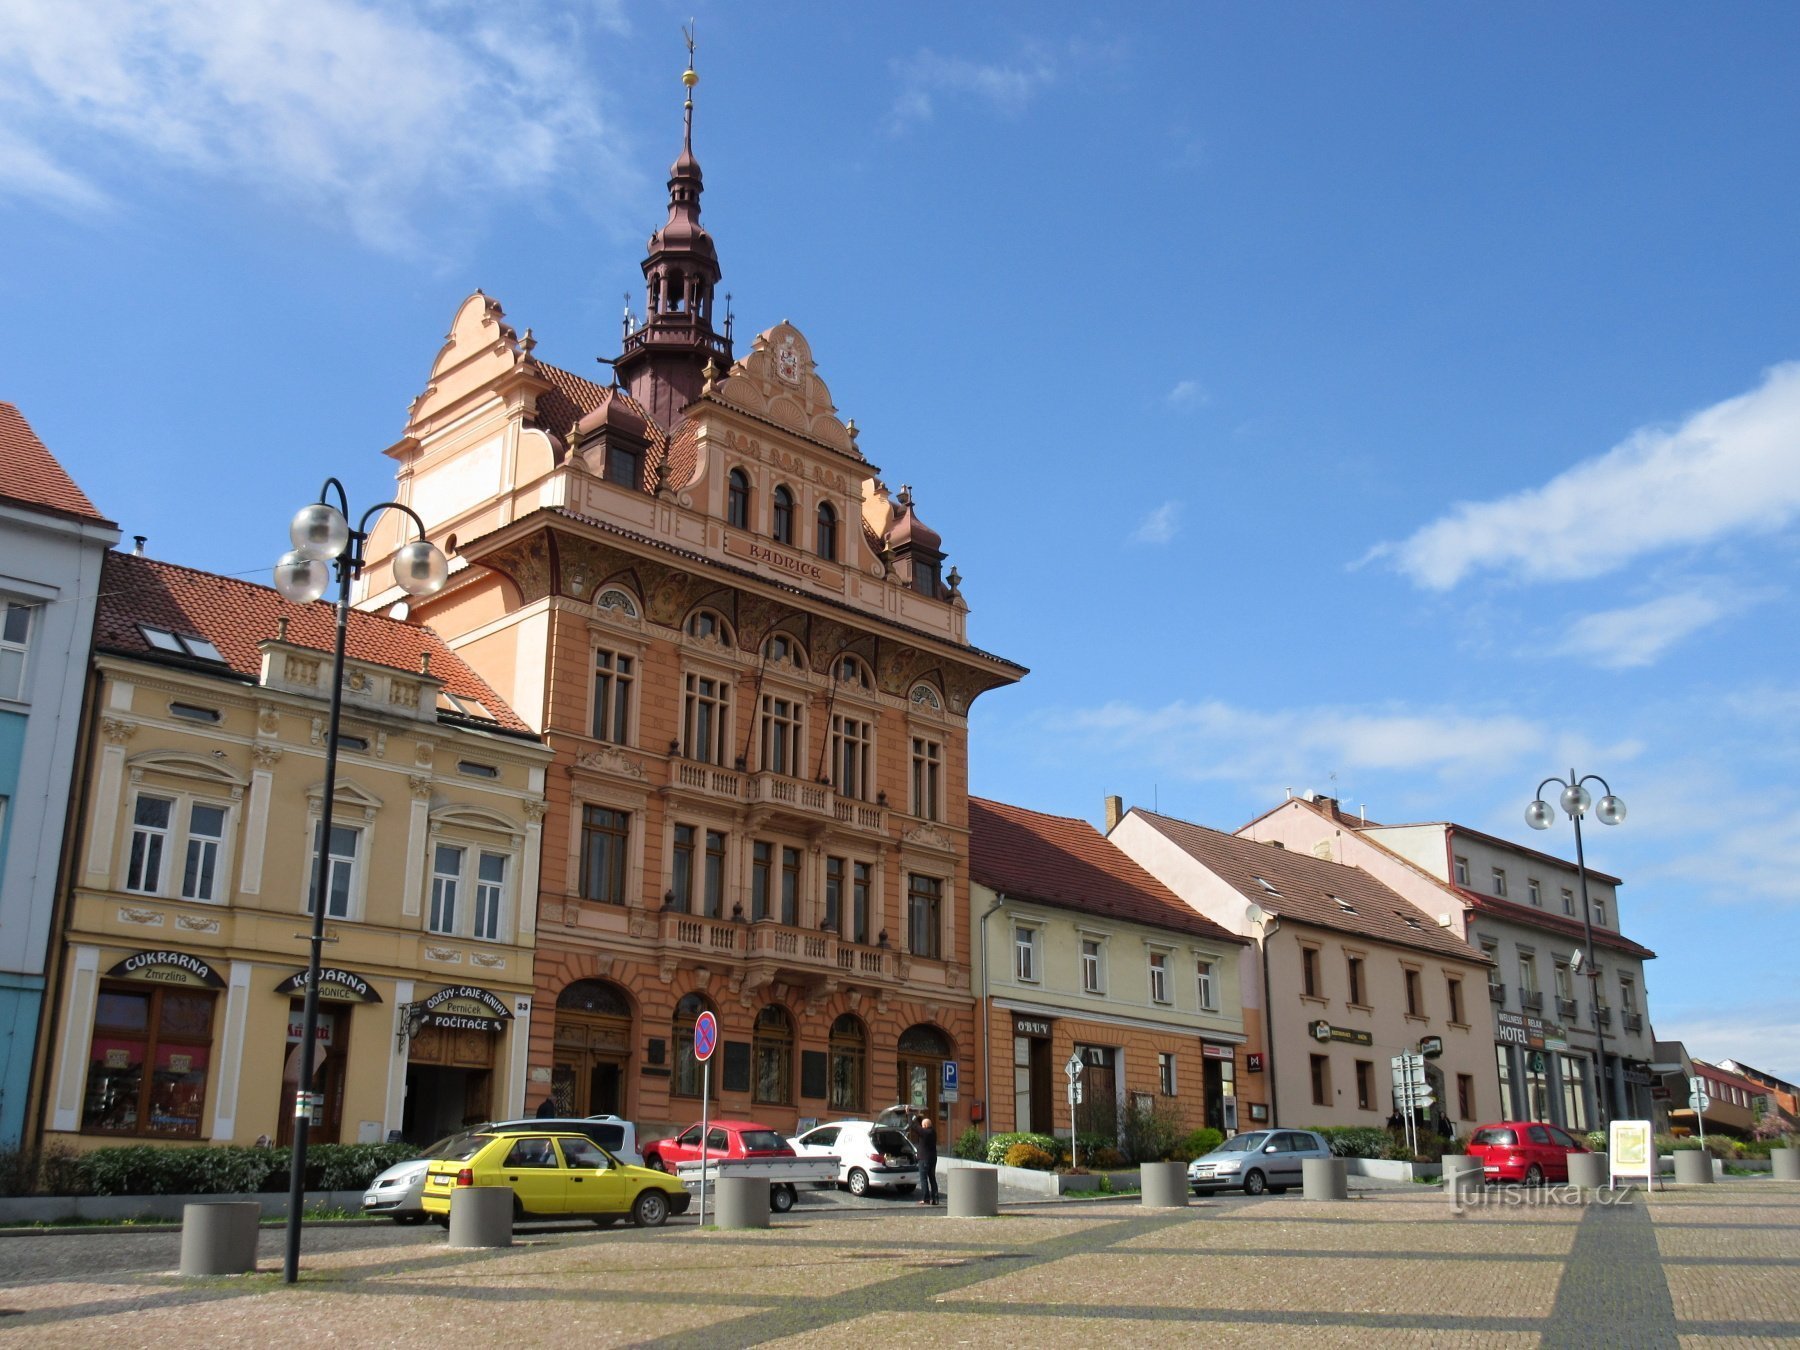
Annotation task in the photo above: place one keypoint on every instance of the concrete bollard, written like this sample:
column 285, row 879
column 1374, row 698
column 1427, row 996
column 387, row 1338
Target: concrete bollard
column 1462, row 1174
column 1325, row 1178
column 481, row 1216
column 219, row 1237
column 1693, row 1166
column 1164, row 1185
column 974, row 1192
column 741, row 1202
column 1587, row 1171
column 1786, row 1163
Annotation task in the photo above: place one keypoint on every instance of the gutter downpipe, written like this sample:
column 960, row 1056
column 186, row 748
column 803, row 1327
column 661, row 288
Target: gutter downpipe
column 987, row 1025
column 1269, row 928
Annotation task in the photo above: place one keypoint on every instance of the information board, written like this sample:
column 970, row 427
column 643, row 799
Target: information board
column 1631, row 1152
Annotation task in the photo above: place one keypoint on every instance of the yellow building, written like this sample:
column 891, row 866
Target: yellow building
column 1089, row 957
column 183, row 936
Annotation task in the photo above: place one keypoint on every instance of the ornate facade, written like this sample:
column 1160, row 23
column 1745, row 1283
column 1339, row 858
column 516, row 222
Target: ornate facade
column 756, row 677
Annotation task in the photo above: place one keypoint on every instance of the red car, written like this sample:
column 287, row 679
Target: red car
column 1524, row 1150
column 726, row 1139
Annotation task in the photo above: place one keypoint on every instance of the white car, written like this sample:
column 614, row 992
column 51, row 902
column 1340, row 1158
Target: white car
column 870, row 1156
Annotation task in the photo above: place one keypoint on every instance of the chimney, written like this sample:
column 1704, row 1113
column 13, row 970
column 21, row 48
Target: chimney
column 138, row 545
column 1115, row 812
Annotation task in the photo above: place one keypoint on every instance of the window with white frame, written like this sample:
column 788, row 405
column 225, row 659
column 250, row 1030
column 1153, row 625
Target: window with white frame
column 446, row 880
column 1025, row 953
column 1568, row 900
column 925, row 916
column 1462, row 871
column 927, row 768
column 490, row 895
column 1534, row 891
column 1500, row 882
column 1093, row 966
column 1600, row 913
column 341, row 869
column 1628, row 995
column 783, row 739
column 1207, row 985
column 1159, row 977
column 614, row 675
column 167, row 827
column 705, row 719
column 1165, row 1072
column 852, row 756
column 15, row 642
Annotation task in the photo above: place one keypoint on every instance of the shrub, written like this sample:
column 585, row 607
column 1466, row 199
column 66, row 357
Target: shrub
column 144, row 1169
column 1355, row 1141
column 971, row 1145
column 1104, row 1158
column 1596, row 1140
column 1150, row 1135
column 1029, row 1155
column 1000, row 1143
column 1198, row 1143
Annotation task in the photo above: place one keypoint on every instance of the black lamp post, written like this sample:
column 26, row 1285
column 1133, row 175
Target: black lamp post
column 322, row 539
column 1609, row 810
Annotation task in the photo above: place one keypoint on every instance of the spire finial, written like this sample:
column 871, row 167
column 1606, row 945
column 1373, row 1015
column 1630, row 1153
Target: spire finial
column 689, row 78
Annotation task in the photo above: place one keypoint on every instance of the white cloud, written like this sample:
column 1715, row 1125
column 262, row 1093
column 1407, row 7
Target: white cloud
column 379, row 114
column 1637, row 635
column 1728, row 469
column 1759, row 1034
column 1186, row 393
column 1214, row 741
column 1160, row 526
column 926, row 76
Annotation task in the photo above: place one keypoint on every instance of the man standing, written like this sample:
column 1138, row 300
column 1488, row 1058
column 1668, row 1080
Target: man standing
column 924, row 1137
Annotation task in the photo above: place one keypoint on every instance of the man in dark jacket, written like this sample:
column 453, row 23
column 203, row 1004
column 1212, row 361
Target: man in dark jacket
column 924, row 1137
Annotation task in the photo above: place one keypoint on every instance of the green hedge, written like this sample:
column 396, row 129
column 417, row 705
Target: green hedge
column 148, row 1169
column 1000, row 1143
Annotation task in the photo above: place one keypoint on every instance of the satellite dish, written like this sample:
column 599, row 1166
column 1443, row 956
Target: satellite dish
column 1255, row 915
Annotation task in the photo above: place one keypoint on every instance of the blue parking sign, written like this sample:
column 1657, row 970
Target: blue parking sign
column 951, row 1080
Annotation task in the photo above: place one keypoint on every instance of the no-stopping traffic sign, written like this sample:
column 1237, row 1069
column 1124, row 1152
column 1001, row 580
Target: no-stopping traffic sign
column 706, row 1036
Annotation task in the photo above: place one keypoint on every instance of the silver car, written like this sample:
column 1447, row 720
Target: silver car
column 1257, row 1161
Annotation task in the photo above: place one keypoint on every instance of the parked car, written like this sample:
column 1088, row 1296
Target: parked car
column 1530, row 1151
column 870, row 1156
column 395, row 1193
column 1257, row 1161
column 552, row 1174
column 615, row 1134
column 725, row 1139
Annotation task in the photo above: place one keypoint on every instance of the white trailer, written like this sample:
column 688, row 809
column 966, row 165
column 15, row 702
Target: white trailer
column 781, row 1174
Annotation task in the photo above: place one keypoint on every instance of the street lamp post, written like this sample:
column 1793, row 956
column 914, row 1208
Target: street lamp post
column 323, row 539
column 1609, row 810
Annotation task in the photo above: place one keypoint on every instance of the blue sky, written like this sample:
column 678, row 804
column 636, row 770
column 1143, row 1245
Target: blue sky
column 1394, row 400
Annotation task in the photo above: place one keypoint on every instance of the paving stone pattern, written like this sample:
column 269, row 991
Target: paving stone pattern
column 1708, row 1265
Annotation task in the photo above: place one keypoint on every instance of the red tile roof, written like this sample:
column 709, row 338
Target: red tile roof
column 1061, row 861
column 236, row 615
column 1514, row 912
column 1308, row 889
column 1726, row 1076
column 29, row 473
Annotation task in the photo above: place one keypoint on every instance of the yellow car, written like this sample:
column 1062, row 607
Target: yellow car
column 552, row 1175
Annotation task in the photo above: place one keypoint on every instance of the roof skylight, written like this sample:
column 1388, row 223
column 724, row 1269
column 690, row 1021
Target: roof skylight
column 181, row 644
column 1267, row 887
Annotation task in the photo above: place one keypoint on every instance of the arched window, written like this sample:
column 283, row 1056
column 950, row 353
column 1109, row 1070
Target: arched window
column 772, row 1056
column 686, row 1082
column 921, row 1038
column 825, row 541
column 782, row 650
column 737, row 499
column 600, row 997
column 781, row 526
column 849, row 1057
column 706, row 623
column 851, row 670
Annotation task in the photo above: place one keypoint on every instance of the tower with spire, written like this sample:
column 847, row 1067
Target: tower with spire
column 663, row 365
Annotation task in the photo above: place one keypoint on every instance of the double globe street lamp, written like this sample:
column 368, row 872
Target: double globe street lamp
column 1576, row 801
column 323, row 539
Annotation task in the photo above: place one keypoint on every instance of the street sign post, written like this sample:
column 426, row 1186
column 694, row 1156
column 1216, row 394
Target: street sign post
column 951, row 1087
column 1073, row 1068
column 706, row 1040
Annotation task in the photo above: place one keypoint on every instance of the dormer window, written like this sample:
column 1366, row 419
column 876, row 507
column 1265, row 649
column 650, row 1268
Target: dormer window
column 624, row 465
column 825, row 536
column 781, row 523
column 737, row 499
column 927, row 578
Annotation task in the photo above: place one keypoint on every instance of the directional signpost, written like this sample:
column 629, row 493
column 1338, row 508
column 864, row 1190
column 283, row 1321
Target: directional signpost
column 1073, row 1069
column 706, row 1040
column 1412, row 1093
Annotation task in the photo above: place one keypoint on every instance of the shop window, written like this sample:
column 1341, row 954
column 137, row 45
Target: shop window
column 605, row 843
column 147, row 1062
column 925, row 916
column 614, row 674
column 737, row 499
column 772, row 1054
column 849, row 1060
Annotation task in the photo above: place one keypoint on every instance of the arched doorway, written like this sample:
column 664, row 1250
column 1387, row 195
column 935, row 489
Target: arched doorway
column 772, row 1057
column 593, row 1048
column 923, row 1049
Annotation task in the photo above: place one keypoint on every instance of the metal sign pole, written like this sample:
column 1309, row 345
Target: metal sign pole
column 705, row 1094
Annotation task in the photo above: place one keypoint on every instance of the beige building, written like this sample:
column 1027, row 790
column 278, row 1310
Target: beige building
column 1086, row 955
column 183, row 947
column 1352, row 975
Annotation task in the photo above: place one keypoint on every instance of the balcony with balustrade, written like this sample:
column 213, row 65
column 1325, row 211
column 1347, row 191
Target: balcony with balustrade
column 775, row 799
column 801, row 956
